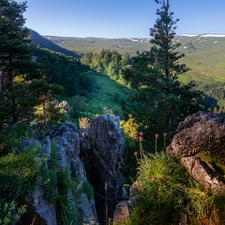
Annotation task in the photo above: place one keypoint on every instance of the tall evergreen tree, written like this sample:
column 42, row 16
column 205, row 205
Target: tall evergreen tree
column 18, row 73
column 161, row 100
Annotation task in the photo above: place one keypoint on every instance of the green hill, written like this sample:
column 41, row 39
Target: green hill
column 205, row 54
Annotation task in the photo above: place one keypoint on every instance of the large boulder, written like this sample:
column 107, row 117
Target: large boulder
column 201, row 131
column 199, row 136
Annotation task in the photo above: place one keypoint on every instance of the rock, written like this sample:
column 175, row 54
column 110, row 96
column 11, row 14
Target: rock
column 65, row 140
column 39, row 212
column 200, row 134
column 104, row 158
column 65, row 105
column 121, row 214
column 203, row 172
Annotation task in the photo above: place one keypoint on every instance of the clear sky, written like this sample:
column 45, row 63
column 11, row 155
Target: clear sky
column 120, row 18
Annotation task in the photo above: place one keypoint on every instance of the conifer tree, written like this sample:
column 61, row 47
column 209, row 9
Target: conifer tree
column 18, row 72
column 161, row 100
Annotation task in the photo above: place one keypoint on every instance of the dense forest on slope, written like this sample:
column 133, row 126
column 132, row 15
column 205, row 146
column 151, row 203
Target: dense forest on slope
column 66, row 71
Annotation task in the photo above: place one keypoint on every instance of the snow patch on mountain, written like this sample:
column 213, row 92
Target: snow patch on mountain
column 212, row 35
column 188, row 35
column 202, row 35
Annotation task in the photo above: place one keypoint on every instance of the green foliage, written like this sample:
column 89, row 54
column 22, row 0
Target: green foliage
column 47, row 179
column 161, row 197
column 66, row 71
column 9, row 212
column 19, row 172
column 166, row 192
column 64, row 210
column 161, row 101
column 86, row 188
column 22, row 80
column 108, row 62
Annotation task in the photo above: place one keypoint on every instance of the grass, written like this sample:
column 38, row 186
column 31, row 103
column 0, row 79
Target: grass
column 102, row 100
column 166, row 193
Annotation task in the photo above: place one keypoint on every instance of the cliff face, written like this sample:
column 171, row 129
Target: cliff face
column 103, row 144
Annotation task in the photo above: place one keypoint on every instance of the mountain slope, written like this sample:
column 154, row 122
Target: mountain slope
column 204, row 54
column 42, row 42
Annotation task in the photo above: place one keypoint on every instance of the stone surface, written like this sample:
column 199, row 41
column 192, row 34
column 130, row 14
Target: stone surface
column 65, row 139
column 39, row 212
column 202, row 133
column 103, row 146
column 121, row 214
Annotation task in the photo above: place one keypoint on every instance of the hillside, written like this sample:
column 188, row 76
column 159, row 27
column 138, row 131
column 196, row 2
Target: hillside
column 42, row 42
column 205, row 54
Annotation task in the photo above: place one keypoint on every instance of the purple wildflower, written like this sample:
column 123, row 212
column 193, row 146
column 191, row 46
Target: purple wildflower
column 26, row 142
column 39, row 155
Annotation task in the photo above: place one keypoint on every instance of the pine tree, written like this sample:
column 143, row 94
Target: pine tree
column 161, row 100
column 19, row 73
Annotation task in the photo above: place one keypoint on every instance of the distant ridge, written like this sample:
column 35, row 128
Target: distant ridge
column 42, row 42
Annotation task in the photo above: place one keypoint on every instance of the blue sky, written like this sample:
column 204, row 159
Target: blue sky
column 120, row 18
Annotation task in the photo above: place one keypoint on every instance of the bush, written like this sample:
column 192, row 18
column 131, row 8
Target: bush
column 9, row 212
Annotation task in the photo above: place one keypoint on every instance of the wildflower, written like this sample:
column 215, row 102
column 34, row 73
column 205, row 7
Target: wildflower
column 153, row 177
column 8, row 128
column 141, row 133
column 156, row 135
column 140, row 138
column 26, row 142
column 136, row 153
column 164, row 134
column 110, row 220
column 39, row 155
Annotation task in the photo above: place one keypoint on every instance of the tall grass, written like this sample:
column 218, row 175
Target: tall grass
column 166, row 193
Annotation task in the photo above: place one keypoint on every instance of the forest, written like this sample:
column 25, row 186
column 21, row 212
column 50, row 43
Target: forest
column 146, row 93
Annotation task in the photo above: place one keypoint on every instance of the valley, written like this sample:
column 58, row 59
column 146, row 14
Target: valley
column 204, row 54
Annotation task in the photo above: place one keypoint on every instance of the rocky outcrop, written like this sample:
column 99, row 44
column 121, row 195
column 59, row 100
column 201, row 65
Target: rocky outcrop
column 101, row 149
column 102, row 145
column 199, row 136
column 65, row 138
